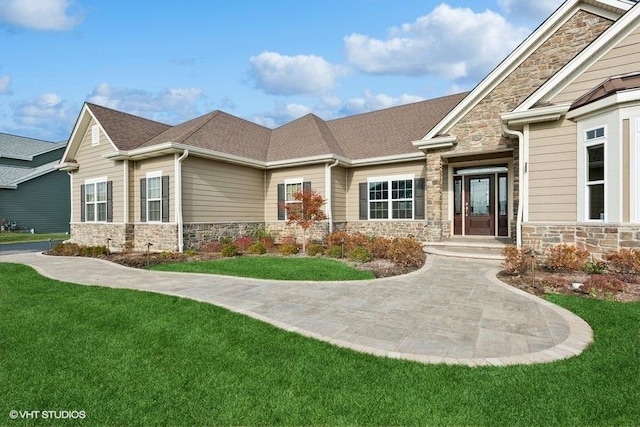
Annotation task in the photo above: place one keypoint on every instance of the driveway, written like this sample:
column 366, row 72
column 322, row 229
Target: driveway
column 451, row 311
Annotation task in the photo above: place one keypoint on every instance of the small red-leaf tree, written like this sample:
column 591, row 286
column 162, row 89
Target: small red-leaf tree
column 305, row 211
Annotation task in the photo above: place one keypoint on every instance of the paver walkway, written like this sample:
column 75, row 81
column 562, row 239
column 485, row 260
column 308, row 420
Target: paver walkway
column 451, row 311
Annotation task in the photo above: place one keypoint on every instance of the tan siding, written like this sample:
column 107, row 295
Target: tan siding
column 553, row 172
column 91, row 164
column 140, row 169
column 314, row 173
column 339, row 193
column 220, row 192
column 358, row 175
column 624, row 58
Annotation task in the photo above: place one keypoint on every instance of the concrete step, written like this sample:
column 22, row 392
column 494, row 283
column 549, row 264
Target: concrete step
column 485, row 248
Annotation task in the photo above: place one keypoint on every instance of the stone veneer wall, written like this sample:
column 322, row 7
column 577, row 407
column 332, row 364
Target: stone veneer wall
column 197, row 233
column 421, row 230
column 96, row 234
column 596, row 238
column 280, row 229
column 481, row 129
column 163, row 237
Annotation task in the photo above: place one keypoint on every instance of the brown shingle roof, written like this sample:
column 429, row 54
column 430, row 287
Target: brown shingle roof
column 608, row 87
column 126, row 130
column 376, row 134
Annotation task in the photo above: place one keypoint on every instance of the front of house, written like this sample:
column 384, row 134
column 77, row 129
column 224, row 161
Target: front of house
column 544, row 150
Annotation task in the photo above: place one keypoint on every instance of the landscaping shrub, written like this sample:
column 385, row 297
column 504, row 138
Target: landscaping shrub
column 336, row 238
column 360, row 254
column 351, row 240
column 93, row 251
column 315, row 249
column 624, row 261
column 603, row 286
column 257, row 248
column 243, row 243
column 516, row 261
column 565, row 257
column 287, row 249
column 228, row 250
column 334, row 251
column 268, row 242
column 598, row 267
column 379, row 247
column 211, row 247
column 66, row 249
column 406, row 251
column 190, row 252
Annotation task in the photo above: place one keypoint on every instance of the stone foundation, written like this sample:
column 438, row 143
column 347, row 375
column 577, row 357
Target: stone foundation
column 279, row 230
column 163, row 237
column 195, row 234
column 97, row 234
column 598, row 239
column 421, row 230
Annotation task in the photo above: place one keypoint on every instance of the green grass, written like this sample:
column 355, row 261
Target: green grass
column 270, row 267
column 28, row 237
column 134, row 358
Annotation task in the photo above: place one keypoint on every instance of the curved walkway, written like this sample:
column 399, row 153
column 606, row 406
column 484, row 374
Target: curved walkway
column 451, row 311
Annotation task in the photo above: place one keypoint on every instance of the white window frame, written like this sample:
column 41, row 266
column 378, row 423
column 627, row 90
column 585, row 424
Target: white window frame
column 93, row 183
column 589, row 143
column 287, row 201
column 635, row 168
column 389, row 181
column 95, row 135
column 153, row 176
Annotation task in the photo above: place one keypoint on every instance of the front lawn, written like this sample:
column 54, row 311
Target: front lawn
column 270, row 267
column 28, row 237
column 135, row 358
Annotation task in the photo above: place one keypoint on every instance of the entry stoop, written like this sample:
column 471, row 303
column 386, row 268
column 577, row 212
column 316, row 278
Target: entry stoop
column 469, row 247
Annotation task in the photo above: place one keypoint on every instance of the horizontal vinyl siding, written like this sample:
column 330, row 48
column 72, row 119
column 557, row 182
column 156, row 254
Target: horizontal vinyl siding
column 553, row 172
column 358, row 175
column 221, row 192
column 314, row 173
column 624, row 58
column 140, row 169
column 339, row 194
column 91, row 164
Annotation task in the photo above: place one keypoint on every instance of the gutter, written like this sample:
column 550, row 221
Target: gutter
column 520, row 136
column 328, row 181
column 178, row 208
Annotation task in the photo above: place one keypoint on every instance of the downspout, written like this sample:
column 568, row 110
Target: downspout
column 70, row 200
column 179, row 218
column 520, row 136
column 327, row 190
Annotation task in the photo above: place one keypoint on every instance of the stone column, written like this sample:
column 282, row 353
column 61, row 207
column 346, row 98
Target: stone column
column 434, row 196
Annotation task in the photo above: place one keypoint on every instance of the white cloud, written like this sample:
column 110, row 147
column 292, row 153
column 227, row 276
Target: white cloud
column 281, row 114
column 51, row 15
column 535, row 10
column 453, row 43
column 293, row 75
column 5, row 82
column 48, row 116
column 171, row 105
column 371, row 102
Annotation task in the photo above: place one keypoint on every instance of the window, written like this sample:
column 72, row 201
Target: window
column 595, row 182
column 391, row 199
column 291, row 188
column 154, row 198
column 95, row 198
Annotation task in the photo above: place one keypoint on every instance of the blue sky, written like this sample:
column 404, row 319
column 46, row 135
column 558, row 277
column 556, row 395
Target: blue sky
column 266, row 61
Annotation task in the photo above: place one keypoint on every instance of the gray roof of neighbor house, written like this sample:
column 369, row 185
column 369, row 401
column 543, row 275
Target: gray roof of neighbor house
column 11, row 176
column 380, row 133
column 19, row 147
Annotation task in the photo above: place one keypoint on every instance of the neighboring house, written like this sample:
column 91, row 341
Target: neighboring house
column 33, row 193
column 546, row 149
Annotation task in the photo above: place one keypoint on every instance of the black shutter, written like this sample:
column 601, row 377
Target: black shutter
column 418, row 208
column 143, row 200
column 364, row 200
column 281, row 202
column 306, row 186
column 109, row 201
column 82, row 209
column 165, row 199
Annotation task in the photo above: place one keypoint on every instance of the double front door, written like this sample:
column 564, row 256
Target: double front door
column 481, row 205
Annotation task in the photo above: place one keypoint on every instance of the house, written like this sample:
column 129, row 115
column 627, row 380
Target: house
column 544, row 150
column 34, row 195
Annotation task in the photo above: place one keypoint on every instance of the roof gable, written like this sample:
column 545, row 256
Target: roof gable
column 304, row 137
column 611, row 9
column 22, row 148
